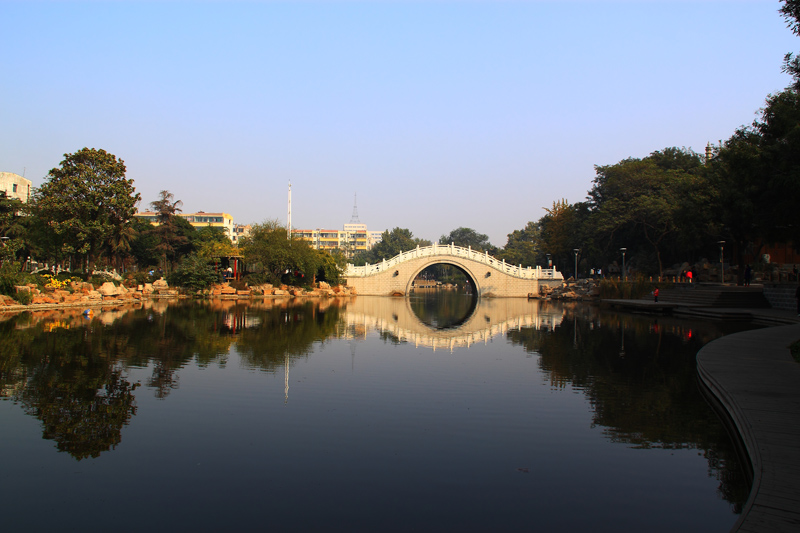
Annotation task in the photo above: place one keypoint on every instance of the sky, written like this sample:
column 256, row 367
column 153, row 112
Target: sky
column 426, row 115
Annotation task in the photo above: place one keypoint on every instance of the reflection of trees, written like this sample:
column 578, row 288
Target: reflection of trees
column 169, row 340
column 82, row 409
column 290, row 329
column 639, row 375
column 65, row 376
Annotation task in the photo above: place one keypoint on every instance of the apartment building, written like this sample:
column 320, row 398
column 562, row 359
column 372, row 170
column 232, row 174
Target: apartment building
column 15, row 186
column 199, row 220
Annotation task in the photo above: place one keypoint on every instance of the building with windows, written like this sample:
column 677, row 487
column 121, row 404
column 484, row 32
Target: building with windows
column 15, row 186
column 352, row 239
column 239, row 231
column 201, row 219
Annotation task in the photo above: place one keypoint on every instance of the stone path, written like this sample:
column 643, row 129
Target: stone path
column 758, row 382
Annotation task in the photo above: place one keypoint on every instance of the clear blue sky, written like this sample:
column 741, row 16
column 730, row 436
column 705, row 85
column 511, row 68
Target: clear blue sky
column 437, row 114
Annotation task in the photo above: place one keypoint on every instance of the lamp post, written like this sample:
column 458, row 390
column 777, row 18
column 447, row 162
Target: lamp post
column 576, row 250
column 722, row 261
column 624, row 272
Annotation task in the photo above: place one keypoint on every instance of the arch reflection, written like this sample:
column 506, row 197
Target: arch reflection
column 489, row 318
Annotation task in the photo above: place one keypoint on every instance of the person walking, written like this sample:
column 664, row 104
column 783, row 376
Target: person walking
column 655, row 295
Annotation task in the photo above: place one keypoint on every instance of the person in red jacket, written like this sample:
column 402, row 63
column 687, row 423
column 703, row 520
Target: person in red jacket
column 655, row 295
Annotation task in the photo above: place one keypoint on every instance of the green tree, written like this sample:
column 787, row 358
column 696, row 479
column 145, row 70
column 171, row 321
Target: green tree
column 86, row 202
column 656, row 199
column 269, row 253
column 560, row 232
column 143, row 244
column 174, row 233
column 523, row 246
column 392, row 243
column 212, row 243
column 468, row 237
column 194, row 272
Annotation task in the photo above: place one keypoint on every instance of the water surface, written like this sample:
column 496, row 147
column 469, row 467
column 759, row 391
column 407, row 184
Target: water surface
column 360, row 415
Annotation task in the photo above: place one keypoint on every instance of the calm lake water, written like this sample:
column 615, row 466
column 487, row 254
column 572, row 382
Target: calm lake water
column 367, row 414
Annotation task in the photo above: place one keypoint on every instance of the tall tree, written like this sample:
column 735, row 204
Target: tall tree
column 468, row 237
column 523, row 246
column 392, row 243
column 172, row 232
column 654, row 199
column 86, row 201
column 560, row 230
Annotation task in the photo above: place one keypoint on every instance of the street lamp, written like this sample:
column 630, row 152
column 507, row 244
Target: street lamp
column 721, row 261
column 624, row 272
column 576, row 250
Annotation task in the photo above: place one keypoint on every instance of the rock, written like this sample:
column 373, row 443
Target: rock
column 279, row 292
column 324, row 285
column 160, row 284
column 108, row 289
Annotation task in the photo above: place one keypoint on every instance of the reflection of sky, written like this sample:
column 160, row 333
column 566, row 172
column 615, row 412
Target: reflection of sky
column 396, row 426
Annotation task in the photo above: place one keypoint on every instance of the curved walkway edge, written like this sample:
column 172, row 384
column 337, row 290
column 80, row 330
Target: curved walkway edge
column 757, row 381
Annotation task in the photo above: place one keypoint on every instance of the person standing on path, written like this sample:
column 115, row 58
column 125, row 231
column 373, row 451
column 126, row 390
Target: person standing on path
column 655, row 296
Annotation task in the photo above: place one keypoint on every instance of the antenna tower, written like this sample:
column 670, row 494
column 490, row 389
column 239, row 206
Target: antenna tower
column 289, row 214
column 354, row 218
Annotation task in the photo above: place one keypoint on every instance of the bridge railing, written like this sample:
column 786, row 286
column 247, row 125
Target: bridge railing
column 516, row 271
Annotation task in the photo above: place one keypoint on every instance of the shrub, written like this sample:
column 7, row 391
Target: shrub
column 193, row 273
column 24, row 297
column 10, row 277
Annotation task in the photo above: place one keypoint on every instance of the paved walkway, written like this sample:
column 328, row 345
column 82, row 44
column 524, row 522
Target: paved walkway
column 755, row 378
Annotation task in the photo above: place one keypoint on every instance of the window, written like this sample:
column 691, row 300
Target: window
column 14, row 189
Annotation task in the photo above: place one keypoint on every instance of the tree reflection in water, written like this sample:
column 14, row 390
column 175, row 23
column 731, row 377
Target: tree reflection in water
column 638, row 373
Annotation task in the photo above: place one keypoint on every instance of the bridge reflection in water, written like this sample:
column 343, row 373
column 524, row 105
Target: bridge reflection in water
column 488, row 317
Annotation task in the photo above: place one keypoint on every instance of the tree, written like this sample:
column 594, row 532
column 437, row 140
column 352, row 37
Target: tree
column 657, row 199
column 523, row 246
column 86, row 201
column 211, row 243
column 468, row 237
column 559, row 232
column 10, row 227
column 392, row 243
column 268, row 251
column 172, row 231
column 194, row 272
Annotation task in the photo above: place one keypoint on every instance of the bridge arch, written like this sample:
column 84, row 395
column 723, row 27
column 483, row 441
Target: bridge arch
column 492, row 277
column 444, row 261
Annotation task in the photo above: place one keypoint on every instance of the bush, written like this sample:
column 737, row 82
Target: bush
column 24, row 297
column 629, row 290
column 193, row 273
column 10, row 277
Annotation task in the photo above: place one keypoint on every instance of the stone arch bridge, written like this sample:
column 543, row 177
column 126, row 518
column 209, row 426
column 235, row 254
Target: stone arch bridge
column 489, row 276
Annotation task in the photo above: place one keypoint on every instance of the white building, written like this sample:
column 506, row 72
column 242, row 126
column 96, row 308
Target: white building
column 15, row 186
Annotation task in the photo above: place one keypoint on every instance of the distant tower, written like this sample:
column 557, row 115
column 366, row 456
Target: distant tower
column 354, row 218
column 289, row 214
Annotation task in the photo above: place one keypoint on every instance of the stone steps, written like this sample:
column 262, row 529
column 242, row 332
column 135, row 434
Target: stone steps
column 715, row 296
